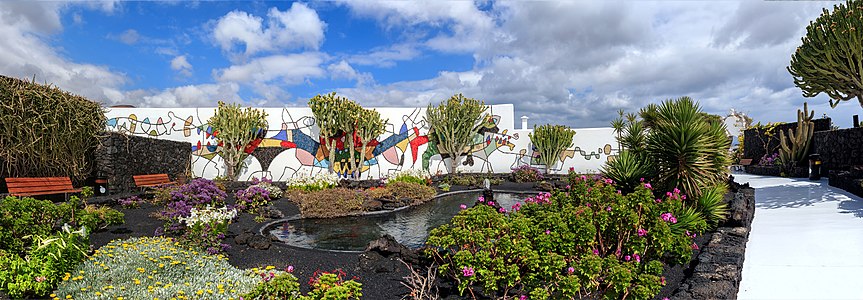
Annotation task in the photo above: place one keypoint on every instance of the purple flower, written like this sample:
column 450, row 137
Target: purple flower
column 570, row 270
column 463, row 206
column 637, row 258
column 467, row 271
column 648, row 186
column 596, row 252
column 641, row 232
column 289, row 269
column 608, row 208
column 627, row 258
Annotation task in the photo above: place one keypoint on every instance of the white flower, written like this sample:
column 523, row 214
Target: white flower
column 209, row 215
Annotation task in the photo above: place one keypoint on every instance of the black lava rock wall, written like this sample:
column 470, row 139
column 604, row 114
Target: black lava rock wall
column 753, row 146
column 840, row 149
column 121, row 156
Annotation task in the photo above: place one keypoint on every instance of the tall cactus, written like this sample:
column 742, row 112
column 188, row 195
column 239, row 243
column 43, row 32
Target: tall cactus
column 550, row 141
column 794, row 148
column 330, row 116
column 453, row 125
column 235, row 127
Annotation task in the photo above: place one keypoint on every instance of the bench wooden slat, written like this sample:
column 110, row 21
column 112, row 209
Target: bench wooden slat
column 29, row 186
column 152, row 180
column 746, row 161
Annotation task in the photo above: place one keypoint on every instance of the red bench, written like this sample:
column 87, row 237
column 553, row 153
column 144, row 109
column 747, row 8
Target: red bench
column 152, row 180
column 33, row 186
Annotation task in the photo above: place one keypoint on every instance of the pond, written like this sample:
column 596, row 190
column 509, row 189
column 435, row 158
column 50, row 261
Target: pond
column 410, row 226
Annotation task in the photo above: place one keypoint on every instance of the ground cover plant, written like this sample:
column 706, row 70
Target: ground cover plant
column 312, row 183
column 196, row 214
column 586, row 241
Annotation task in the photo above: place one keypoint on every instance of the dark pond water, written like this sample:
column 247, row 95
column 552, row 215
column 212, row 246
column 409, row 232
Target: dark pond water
column 410, row 227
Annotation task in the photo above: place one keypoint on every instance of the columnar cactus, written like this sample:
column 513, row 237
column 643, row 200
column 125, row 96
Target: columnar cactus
column 794, row 148
column 550, row 141
column 453, row 125
column 234, row 128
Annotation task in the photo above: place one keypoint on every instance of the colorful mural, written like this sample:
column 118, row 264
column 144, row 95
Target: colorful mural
column 291, row 146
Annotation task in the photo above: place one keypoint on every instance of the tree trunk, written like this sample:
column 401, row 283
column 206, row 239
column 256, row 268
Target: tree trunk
column 229, row 165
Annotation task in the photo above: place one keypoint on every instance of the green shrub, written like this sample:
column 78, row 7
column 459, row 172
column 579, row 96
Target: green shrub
column 61, row 133
column 335, row 202
column 711, row 204
column 628, row 170
column 282, row 285
column 416, row 176
column 417, row 193
column 45, row 263
column 98, row 217
column 324, row 286
column 20, row 217
column 526, row 173
column 155, row 267
column 586, row 242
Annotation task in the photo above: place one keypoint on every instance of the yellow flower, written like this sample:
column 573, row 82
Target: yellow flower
column 119, row 298
column 136, row 281
column 52, row 295
column 199, row 292
column 141, row 270
column 98, row 293
column 270, row 268
column 68, row 296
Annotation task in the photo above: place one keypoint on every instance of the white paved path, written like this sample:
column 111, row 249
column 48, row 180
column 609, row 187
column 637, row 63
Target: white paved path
column 806, row 241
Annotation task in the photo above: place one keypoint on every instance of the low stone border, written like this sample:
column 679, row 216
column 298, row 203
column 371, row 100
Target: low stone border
column 849, row 181
column 716, row 272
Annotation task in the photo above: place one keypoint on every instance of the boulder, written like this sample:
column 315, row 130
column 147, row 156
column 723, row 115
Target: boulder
column 259, row 242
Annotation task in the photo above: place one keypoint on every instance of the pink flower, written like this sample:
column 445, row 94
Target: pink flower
column 658, row 200
column 568, row 187
column 570, row 270
column 637, row 257
column 467, row 271
column 648, row 186
column 641, row 232
column 596, row 252
column 694, row 246
column 618, row 192
column 289, row 269
column 668, row 194
column 523, row 297
column 547, row 231
column 490, row 203
column 463, row 206
column 588, row 205
column 583, row 177
column 502, row 210
column 641, row 180
column 608, row 208
column 676, row 191
column 627, row 258
column 609, row 181
column 40, row 278
column 668, row 217
column 683, row 197
column 572, row 169
column 481, row 199
column 662, row 280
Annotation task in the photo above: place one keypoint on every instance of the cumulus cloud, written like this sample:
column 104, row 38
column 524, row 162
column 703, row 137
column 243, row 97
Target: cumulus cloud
column 129, row 37
column 385, row 57
column 187, row 96
column 25, row 27
column 289, row 69
column 577, row 63
column 181, row 65
column 297, row 27
column 344, row 70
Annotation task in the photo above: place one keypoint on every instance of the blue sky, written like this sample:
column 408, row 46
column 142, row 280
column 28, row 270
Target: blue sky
column 573, row 63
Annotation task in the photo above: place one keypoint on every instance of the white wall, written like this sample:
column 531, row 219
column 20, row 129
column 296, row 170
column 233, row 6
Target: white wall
column 292, row 132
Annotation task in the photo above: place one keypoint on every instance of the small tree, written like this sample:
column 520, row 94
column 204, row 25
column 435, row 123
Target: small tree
column 331, row 117
column 550, row 141
column 235, row 127
column 453, row 124
column 830, row 58
column 369, row 126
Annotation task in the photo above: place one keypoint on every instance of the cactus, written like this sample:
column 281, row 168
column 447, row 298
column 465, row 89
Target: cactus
column 795, row 146
column 550, row 141
column 453, row 125
column 235, row 127
column 339, row 118
column 330, row 116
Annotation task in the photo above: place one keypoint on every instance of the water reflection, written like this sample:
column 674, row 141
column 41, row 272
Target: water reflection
column 410, row 227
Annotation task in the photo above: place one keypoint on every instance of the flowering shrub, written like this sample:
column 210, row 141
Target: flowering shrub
column 526, row 173
column 37, row 272
column 199, row 193
column 324, row 285
column 154, row 267
column 416, row 176
column 589, row 241
column 254, row 199
column 207, row 227
column 131, row 202
column 317, row 182
column 770, row 160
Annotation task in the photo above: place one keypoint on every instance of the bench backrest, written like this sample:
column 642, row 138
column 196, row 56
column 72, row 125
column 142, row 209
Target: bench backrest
column 152, row 179
column 745, row 161
column 38, row 185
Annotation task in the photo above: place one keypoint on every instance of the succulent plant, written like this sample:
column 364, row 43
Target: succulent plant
column 795, row 146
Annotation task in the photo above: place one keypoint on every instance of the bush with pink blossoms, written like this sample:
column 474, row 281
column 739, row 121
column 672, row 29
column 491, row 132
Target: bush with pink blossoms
column 588, row 241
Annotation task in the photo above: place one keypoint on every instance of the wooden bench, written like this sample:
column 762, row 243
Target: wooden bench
column 33, row 186
column 741, row 165
column 152, row 180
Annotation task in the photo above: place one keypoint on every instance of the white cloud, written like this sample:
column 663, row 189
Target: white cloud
column 289, row 69
column 24, row 27
column 297, row 27
column 129, row 37
column 385, row 57
column 344, row 70
column 187, row 96
column 181, row 65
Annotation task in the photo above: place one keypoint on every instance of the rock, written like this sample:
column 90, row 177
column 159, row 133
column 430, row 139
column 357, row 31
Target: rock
column 386, row 245
column 741, row 209
column 259, row 242
column 372, row 205
column 243, row 238
column 273, row 213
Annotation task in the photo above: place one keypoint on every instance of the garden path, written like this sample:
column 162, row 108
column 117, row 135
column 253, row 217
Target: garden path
column 806, row 241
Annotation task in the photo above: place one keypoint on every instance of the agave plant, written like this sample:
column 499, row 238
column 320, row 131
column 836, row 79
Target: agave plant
column 628, row 170
column 690, row 152
column 711, row 204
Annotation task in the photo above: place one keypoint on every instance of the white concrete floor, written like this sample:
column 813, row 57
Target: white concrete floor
column 806, row 241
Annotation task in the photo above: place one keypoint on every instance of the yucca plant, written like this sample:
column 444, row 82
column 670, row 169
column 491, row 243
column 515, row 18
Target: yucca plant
column 689, row 219
column 550, row 141
column 628, row 170
column 689, row 151
column 453, row 125
column 711, row 204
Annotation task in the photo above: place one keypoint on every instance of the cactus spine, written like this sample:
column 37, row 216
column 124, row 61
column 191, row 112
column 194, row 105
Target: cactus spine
column 795, row 146
column 550, row 141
